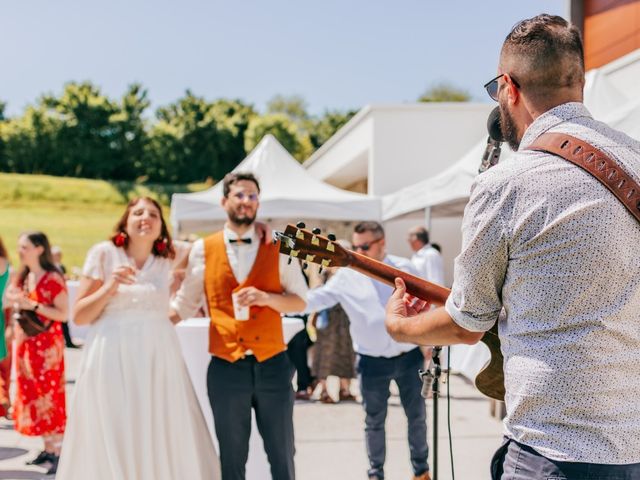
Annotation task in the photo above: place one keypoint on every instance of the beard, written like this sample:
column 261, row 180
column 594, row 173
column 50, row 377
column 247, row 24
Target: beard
column 509, row 128
column 241, row 220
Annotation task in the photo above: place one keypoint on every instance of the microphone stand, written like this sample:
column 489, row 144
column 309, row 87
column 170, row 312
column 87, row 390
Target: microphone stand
column 431, row 380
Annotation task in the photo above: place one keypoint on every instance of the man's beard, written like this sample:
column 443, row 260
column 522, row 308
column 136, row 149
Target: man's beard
column 508, row 128
column 244, row 220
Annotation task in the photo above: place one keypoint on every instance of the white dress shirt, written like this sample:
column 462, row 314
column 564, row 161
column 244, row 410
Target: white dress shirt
column 190, row 296
column 428, row 263
column 364, row 300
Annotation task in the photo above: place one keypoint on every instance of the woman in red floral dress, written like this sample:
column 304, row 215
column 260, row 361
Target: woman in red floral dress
column 39, row 405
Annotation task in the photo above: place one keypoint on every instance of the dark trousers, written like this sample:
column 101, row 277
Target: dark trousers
column 234, row 389
column 297, row 350
column 515, row 461
column 375, row 374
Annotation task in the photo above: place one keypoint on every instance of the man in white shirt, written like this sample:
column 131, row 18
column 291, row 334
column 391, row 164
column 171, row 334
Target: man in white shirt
column 426, row 258
column 247, row 285
column 380, row 358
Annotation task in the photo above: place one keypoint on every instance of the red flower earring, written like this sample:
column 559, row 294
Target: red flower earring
column 160, row 245
column 120, row 239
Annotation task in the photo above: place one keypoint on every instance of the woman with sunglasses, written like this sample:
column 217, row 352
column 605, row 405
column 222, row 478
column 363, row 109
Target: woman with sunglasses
column 135, row 414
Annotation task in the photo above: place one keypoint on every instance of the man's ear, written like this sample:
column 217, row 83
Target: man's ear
column 513, row 92
column 223, row 202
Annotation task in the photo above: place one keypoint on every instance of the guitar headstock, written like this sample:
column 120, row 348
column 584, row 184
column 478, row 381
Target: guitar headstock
column 311, row 247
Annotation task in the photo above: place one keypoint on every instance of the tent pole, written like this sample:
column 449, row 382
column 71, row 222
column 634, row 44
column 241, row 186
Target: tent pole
column 427, row 219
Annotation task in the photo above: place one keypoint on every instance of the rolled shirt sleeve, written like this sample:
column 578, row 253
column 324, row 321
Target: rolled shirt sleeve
column 189, row 297
column 476, row 296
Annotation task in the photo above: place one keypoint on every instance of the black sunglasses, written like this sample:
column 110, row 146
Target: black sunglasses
column 366, row 246
column 492, row 86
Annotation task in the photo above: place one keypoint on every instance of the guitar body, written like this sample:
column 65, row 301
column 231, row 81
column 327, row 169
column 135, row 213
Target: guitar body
column 490, row 380
column 311, row 247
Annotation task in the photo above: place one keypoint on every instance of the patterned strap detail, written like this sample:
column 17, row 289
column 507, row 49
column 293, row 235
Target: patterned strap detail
column 609, row 172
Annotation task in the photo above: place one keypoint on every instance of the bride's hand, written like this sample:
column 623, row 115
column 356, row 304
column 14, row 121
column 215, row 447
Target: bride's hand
column 123, row 275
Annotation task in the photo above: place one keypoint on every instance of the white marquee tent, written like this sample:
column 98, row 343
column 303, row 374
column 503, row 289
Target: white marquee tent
column 287, row 192
column 447, row 193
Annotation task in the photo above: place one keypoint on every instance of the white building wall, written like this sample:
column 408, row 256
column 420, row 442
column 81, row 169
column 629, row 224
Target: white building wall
column 419, row 141
column 348, row 159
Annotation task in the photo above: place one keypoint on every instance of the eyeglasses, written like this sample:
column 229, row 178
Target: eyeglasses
column 492, row 86
column 252, row 197
column 366, row 246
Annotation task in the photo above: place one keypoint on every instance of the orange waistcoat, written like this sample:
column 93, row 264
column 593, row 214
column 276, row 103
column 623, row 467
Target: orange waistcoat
column 228, row 337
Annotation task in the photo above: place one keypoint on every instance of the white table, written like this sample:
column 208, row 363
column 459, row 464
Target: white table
column 193, row 335
column 469, row 359
column 76, row 331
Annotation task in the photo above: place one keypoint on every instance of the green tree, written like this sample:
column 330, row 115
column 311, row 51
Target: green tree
column 29, row 143
column 87, row 139
column 444, row 92
column 232, row 117
column 130, row 137
column 326, row 126
column 292, row 138
column 195, row 139
column 293, row 106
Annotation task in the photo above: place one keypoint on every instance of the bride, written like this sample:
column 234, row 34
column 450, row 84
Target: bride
column 134, row 415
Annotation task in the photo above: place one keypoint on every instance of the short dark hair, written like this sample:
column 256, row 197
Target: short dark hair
column 235, row 177
column 421, row 234
column 373, row 227
column 548, row 55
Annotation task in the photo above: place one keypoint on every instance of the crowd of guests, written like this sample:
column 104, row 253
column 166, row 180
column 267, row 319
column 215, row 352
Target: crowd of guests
column 133, row 379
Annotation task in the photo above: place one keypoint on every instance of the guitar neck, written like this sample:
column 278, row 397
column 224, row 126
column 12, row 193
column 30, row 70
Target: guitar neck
column 387, row 274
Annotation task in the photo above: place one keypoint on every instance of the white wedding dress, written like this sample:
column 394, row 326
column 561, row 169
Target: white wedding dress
column 134, row 414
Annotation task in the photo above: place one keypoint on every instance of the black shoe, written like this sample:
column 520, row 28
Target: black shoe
column 43, row 457
column 54, row 459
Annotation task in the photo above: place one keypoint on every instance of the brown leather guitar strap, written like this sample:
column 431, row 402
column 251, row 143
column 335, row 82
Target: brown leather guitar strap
column 609, row 172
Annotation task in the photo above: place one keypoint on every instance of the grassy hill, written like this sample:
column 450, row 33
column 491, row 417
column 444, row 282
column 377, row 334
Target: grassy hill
column 74, row 213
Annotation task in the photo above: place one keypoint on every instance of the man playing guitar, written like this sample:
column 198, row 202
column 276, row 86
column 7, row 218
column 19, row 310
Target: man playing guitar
column 547, row 244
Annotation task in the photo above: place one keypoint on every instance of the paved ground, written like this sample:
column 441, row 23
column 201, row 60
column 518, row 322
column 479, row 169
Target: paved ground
column 330, row 438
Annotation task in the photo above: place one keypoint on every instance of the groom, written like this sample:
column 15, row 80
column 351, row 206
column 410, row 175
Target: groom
column 249, row 366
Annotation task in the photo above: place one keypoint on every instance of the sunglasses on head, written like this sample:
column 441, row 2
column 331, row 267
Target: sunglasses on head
column 492, row 86
column 366, row 246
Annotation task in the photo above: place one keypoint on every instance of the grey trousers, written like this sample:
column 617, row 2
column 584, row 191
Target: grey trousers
column 375, row 374
column 234, row 389
column 515, row 461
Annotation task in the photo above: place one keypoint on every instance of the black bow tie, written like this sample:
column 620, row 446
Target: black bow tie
column 240, row 240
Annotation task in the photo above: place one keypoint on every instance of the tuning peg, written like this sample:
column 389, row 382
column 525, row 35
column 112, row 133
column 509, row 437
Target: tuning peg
column 300, row 225
column 320, row 270
column 332, row 237
column 305, row 265
column 289, row 261
column 316, row 231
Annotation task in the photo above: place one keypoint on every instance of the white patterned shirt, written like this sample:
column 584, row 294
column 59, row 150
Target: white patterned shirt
column 551, row 245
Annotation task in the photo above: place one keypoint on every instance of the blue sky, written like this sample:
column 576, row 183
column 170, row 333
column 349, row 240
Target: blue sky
column 337, row 54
